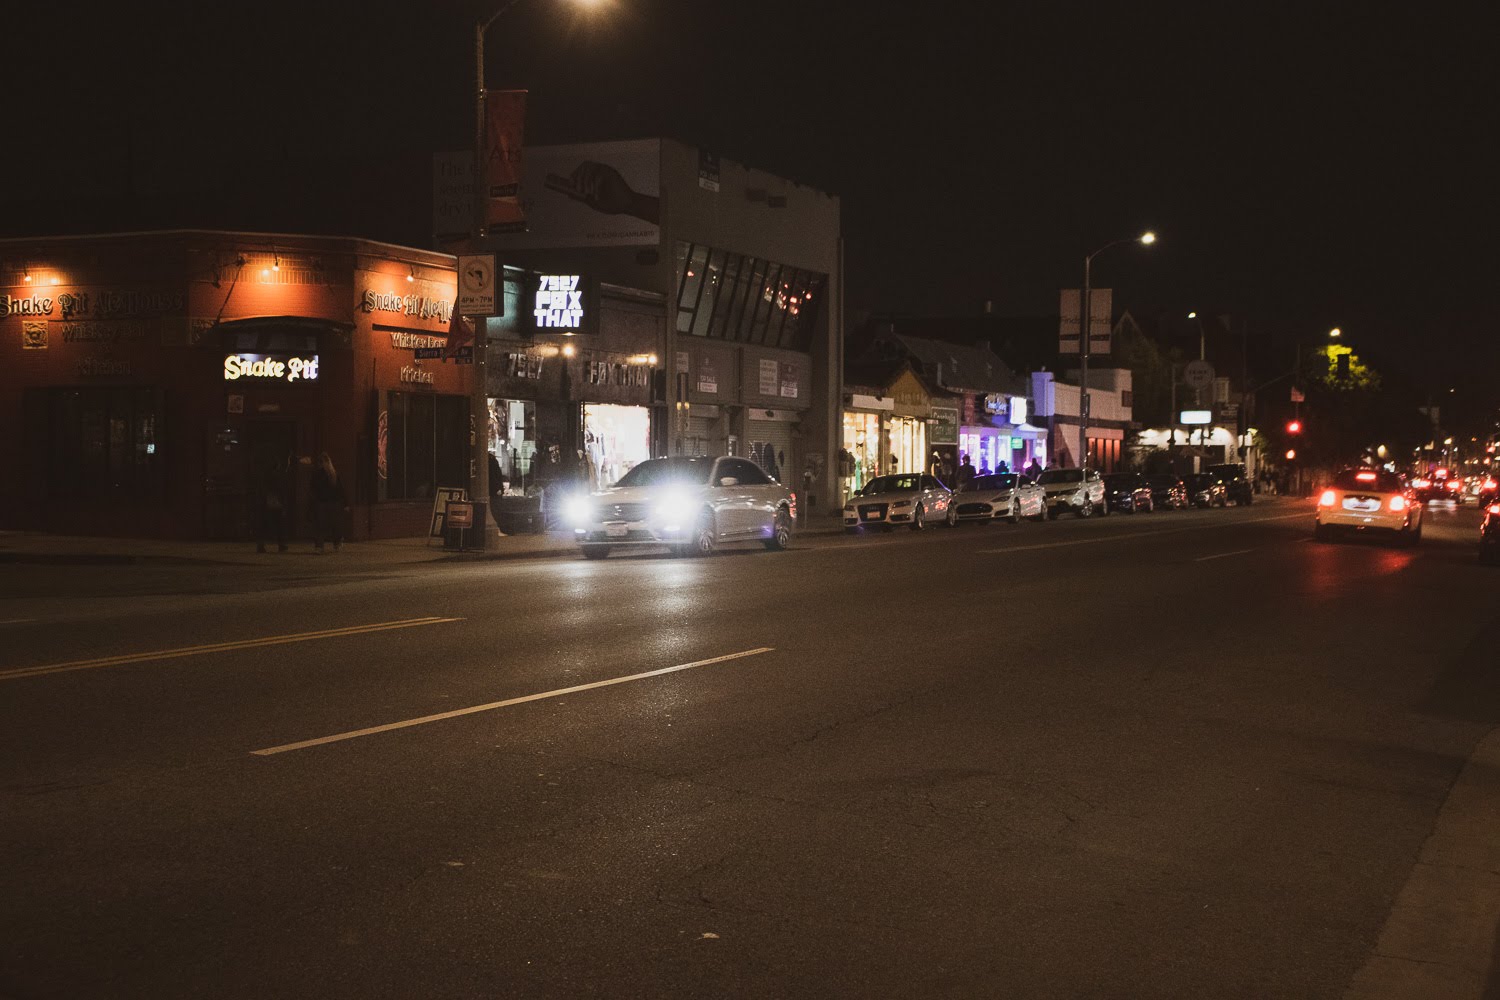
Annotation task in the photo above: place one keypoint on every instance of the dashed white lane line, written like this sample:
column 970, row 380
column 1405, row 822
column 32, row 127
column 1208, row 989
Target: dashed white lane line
column 1223, row 555
column 1138, row 534
column 491, row 706
column 16, row 621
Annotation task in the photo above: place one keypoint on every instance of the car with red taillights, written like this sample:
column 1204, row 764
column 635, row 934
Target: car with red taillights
column 1489, row 489
column 1361, row 501
column 1489, row 534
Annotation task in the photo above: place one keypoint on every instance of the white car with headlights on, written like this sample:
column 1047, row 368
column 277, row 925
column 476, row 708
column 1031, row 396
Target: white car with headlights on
column 692, row 505
column 1364, row 500
column 900, row 499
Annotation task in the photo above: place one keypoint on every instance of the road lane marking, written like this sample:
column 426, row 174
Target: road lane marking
column 1223, row 555
column 216, row 647
column 490, row 707
column 17, row 621
column 1136, row 534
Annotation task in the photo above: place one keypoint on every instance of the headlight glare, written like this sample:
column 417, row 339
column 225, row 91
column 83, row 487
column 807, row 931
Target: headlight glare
column 578, row 511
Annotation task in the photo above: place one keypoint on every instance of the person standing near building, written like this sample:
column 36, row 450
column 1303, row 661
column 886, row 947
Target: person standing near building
column 329, row 502
column 271, row 501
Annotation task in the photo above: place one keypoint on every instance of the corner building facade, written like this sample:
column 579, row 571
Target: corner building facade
column 151, row 378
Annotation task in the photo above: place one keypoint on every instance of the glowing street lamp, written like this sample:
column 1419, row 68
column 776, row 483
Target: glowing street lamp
column 1145, row 239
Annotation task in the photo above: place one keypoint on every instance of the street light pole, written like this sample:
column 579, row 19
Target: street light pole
column 1145, row 239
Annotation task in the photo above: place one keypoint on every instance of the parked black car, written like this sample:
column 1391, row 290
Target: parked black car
column 1168, row 492
column 1128, row 492
column 1206, row 490
column 1238, row 485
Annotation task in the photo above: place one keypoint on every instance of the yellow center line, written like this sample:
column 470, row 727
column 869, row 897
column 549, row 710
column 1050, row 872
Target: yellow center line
column 216, row 647
column 507, row 703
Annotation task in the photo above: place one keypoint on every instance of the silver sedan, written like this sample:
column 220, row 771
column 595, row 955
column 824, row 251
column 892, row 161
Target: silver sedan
column 905, row 499
column 1002, row 495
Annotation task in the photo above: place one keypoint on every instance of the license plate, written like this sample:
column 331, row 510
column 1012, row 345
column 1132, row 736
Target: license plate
column 619, row 530
column 1361, row 504
column 872, row 516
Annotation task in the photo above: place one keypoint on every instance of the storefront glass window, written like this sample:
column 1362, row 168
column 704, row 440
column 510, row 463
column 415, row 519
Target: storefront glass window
column 103, row 444
column 616, row 439
column 513, row 440
column 426, row 444
column 907, row 447
column 861, row 457
column 713, row 279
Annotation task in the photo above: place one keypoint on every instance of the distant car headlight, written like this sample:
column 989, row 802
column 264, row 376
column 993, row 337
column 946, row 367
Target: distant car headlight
column 578, row 511
column 674, row 508
column 901, row 503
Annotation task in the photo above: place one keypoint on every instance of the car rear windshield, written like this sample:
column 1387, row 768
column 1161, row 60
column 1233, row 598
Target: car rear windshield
column 1368, row 479
column 1060, row 476
column 657, row 471
column 986, row 484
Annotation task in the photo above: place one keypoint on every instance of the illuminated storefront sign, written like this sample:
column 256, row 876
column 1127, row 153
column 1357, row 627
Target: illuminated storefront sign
column 271, row 368
column 1196, row 417
column 420, row 306
column 557, row 303
column 1018, row 410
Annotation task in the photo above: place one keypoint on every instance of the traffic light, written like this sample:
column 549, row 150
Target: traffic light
column 1294, row 427
column 1291, row 454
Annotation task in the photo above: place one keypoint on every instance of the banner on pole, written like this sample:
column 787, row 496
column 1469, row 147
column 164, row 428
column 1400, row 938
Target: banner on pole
column 505, row 127
column 1101, row 306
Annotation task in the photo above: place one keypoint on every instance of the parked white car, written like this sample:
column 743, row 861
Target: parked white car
column 1070, row 491
column 1001, row 495
column 692, row 505
column 902, row 499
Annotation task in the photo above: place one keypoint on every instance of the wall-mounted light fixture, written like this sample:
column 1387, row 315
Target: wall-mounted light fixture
column 277, row 265
column 411, row 273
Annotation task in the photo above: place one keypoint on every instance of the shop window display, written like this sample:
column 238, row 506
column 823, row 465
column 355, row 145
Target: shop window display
column 616, row 439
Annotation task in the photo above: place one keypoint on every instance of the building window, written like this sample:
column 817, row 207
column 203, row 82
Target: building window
column 105, row 444
column 729, row 297
column 426, row 445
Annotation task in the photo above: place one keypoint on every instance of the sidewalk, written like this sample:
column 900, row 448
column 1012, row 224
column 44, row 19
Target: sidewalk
column 21, row 548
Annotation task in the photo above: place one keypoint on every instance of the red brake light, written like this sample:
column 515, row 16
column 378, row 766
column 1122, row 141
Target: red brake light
column 1421, row 484
column 1327, row 499
column 1490, row 484
column 1398, row 503
column 1493, row 508
column 1365, row 477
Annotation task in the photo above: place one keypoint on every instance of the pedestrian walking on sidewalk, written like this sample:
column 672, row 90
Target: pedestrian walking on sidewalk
column 271, row 500
column 329, row 502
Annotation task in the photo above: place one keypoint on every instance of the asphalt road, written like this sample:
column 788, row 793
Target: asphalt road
column 1170, row 755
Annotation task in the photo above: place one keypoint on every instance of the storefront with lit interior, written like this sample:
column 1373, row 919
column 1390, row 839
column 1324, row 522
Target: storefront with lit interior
column 154, row 378
column 571, row 385
column 995, row 430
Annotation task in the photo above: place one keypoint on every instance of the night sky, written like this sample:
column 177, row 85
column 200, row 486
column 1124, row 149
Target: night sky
column 1303, row 169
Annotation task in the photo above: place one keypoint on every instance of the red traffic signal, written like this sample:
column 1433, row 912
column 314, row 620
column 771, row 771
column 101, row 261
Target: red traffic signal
column 1294, row 427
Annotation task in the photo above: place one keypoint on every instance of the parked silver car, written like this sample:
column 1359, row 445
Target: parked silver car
column 902, row 499
column 692, row 505
column 1002, row 495
column 1071, row 491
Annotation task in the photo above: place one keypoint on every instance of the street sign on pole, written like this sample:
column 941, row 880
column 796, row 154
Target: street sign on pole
column 1297, row 396
column 1198, row 374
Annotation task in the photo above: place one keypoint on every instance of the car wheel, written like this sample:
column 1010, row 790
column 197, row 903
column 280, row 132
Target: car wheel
column 952, row 519
column 781, row 532
column 1087, row 510
column 1014, row 516
column 705, row 539
column 596, row 551
column 917, row 521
